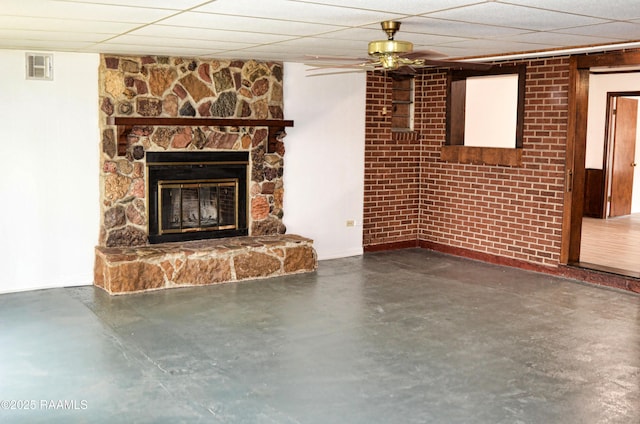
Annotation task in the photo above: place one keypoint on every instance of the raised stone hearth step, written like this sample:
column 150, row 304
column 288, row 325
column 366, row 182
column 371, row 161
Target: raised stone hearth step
column 120, row 270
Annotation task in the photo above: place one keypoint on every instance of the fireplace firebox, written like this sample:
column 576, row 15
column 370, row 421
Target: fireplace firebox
column 196, row 195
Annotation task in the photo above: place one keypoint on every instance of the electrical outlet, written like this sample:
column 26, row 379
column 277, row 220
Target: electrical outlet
column 351, row 223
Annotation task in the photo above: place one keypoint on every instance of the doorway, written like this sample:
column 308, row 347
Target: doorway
column 611, row 235
column 596, row 238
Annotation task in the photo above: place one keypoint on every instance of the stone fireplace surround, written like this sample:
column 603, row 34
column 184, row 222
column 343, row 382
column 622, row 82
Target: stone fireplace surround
column 163, row 87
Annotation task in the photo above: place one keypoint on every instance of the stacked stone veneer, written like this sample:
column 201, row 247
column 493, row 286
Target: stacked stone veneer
column 121, row 270
column 173, row 87
column 187, row 88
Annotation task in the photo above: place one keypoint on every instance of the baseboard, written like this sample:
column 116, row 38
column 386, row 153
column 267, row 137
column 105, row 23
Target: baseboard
column 407, row 244
column 486, row 257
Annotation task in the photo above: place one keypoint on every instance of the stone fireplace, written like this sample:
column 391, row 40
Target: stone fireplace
column 192, row 191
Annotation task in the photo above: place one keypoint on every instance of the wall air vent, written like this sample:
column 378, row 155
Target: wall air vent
column 39, row 66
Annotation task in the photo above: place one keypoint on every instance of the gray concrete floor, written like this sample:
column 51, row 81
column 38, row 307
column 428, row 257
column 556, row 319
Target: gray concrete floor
column 408, row 336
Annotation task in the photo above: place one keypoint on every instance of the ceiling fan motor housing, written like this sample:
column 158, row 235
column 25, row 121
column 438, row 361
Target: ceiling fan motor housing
column 388, row 51
column 385, row 47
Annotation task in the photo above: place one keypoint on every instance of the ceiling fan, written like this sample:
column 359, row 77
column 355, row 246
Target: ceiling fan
column 397, row 56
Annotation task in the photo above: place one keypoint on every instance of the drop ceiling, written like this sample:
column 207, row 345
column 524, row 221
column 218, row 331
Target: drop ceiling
column 293, row 30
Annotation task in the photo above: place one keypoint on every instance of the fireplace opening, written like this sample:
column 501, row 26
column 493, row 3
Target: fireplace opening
column 197, row 206
column 196, row 195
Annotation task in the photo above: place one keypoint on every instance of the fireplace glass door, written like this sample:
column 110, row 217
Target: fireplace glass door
column 205, row 205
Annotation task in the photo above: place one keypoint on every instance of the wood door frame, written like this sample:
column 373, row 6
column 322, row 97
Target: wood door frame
column 573, row 203
column 609, row 141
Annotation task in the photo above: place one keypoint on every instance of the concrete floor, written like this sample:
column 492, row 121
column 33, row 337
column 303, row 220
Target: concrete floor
column 408, row 336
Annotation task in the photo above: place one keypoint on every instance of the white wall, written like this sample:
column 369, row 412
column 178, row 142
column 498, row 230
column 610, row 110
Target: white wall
column 324, row 160
column 49, row 215
column 599, row 86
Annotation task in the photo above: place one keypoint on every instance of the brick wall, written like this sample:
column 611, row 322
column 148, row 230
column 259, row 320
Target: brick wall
column 509, row 212
column 392, row 173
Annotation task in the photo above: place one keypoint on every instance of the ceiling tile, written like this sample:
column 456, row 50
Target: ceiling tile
column 135, row 49
column 287, row 10
column 407, row 7
column 154, row 4
column 49, row 36
column 471, row 48
column 65, row 25
column 320, row 46
column 612, row 30
column 557, row 40
column 46, row 45
column 247, row 54
column 191, row 33
column 609, row 9
column 257, row 25
column 499, row 14
column 355, row 34
column 80, row 11
column 141, row 40
column 427, row 25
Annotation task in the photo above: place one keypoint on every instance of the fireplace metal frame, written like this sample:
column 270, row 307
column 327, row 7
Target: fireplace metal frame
column 197, row 184
column 181, row 166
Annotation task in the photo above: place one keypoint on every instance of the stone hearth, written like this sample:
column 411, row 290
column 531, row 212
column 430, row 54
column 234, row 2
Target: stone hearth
column 120, row 270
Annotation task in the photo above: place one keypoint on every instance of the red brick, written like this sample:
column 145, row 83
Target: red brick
column 515, row 212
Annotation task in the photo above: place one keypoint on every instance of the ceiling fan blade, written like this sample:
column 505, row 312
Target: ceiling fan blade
column 403, row 71
column 454, row 64
column 312, row 57
column 315, row 67
column 422, row 54
column 354, row 71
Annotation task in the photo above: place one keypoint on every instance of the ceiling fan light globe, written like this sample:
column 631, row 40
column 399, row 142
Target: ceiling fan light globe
column 382, row 47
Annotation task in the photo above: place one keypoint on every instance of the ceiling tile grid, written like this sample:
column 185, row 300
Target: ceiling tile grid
column 294, row 30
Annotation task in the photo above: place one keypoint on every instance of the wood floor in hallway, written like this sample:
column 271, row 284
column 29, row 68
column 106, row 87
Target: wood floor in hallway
column 612, row 243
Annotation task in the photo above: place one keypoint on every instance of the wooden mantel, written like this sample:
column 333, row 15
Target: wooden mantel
column 125, row 126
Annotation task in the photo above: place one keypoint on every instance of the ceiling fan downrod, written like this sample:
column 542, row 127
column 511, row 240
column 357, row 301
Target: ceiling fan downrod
column 390, row 27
